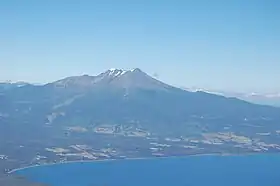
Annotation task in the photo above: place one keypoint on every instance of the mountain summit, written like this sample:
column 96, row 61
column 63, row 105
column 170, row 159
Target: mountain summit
column 114, row 78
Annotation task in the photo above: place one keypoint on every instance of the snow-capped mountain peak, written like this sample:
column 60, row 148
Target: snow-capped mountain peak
column 116, row 72
column 114, row 79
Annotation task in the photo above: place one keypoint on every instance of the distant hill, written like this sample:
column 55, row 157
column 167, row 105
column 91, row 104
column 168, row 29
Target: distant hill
column 8, row 85
column 130, row 98
column 272, row 99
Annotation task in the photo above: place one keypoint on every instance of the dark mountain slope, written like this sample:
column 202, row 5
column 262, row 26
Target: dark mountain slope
column 133, row 98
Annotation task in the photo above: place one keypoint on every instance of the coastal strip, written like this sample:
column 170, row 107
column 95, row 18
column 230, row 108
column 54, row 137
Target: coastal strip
column 125, row 159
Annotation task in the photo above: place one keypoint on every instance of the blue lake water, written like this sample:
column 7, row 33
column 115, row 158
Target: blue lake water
column 249, row 170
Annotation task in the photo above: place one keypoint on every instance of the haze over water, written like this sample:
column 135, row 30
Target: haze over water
column 247, row 170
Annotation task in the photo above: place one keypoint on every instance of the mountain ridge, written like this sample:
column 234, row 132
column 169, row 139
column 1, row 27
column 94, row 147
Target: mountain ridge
column 118, row 78
column 271, row 99
column 131, row 98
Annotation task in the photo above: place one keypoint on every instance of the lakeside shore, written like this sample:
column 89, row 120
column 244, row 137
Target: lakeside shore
column 127, row 159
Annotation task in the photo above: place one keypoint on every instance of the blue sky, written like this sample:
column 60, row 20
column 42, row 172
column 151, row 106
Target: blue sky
column 226, row 45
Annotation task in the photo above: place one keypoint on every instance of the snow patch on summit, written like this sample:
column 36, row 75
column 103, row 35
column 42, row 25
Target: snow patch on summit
column 123, row 72
column 116, row 72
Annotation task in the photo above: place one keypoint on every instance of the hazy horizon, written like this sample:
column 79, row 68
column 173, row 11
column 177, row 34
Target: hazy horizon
column 229, row 46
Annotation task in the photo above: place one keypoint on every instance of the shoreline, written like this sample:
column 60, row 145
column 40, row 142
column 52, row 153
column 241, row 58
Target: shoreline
column 128, row 159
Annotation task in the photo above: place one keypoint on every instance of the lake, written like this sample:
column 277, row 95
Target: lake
column 247, row 170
